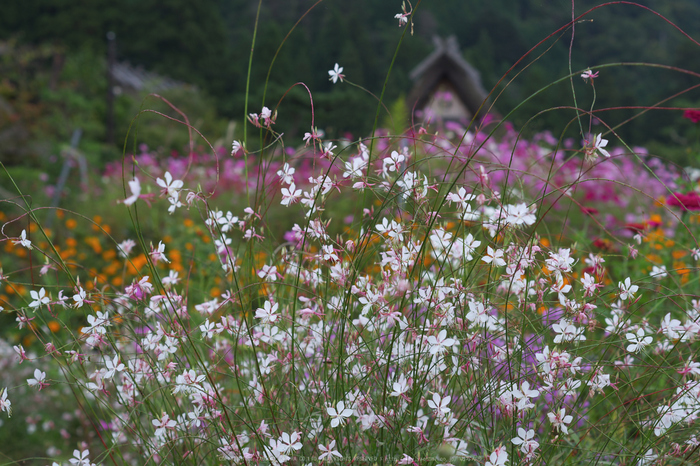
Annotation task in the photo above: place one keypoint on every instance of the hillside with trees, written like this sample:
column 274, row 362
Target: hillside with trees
column 207, row 43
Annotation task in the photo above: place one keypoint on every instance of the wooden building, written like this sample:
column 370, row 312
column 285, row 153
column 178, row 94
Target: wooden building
column 446, row 87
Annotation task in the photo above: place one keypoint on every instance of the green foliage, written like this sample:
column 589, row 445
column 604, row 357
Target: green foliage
column 208, row 43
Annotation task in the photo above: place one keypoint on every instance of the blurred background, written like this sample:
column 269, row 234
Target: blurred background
column 54, row 57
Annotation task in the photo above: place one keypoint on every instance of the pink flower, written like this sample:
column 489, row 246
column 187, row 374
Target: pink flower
column 692, row 115
column 588, row 74
column 687, row 201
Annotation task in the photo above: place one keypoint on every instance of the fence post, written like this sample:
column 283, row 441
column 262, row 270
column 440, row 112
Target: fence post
column 111, row 59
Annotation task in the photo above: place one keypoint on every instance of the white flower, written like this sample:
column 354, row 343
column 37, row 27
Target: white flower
column 207, row 328
column 390, row 164
column 335, row 74
column 125, row 247
column 499, row 457
column 80, row 458
column 113, row 366
column 597, row 146
column 566, row 331
column 79, row 297
column 286, row 174
column 588, row 74
column 648, row 458
column 38, row 380
column 268, row 272
column 267, row 313
column 400, row 387
column 159, row 254
column 658, row 272
column 599, row 381
column 559, row 419
column 402, row 17
column 5, row 404
column 696, row 253
column 637, row 341
column 329, row 451
column 169, row 185
column 561, row 260
column 163, row 424
column 338, row 414
column 495, row 257
column 39, row 298
column 327, row 150
column 235, row 147
column 289, row 443
column 135, row 187
column 439, row 405
column 23, row 240
column 526, row 441
column 174, row 202
column 172, row 279
column 290, row 195
column 627, row 290
column 440, row 343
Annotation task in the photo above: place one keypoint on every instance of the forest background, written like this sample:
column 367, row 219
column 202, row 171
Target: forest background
column 207, row 44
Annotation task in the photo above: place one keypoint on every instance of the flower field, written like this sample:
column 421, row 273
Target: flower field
column 454, row 294
column 436, row 298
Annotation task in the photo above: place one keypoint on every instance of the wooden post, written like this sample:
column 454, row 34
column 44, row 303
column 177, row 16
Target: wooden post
column 111, row 59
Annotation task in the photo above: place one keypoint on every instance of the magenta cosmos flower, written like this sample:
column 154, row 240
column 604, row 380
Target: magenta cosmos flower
column 687, row 201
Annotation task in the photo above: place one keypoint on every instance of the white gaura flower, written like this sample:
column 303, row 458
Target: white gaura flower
column 113, row 366
column 290, row 195
column 439, row 404
column 592, row 149
column 627, row 290
column 494, row 257
column 328, row 451
column 286, row 174
column 80, row 297
column 289, row 443
column 400, row 387
column 23, row 241
column 163, row 424
column 339, row 414
column 135, row 187
column 159, row 254
column 566, row 331
column 170, row 186
column 526, row 440
column 38, row 380
column 5, row 404
column 499, row 457
column 559, row 419
column 439, row 343
column 39, row 298
column 267, row 313
column 658, row 272
column 235, row 147
column 81, row 458
column 637, row 340
column 599, row 144
column 335, row 74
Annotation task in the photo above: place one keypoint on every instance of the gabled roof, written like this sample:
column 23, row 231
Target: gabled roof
column 447, row 64
column 139, row 79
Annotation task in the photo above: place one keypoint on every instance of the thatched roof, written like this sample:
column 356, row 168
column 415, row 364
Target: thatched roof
column 138, row 79
column 446, row 68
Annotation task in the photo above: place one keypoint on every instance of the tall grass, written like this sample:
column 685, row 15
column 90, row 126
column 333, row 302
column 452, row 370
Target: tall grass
column 455, row 294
